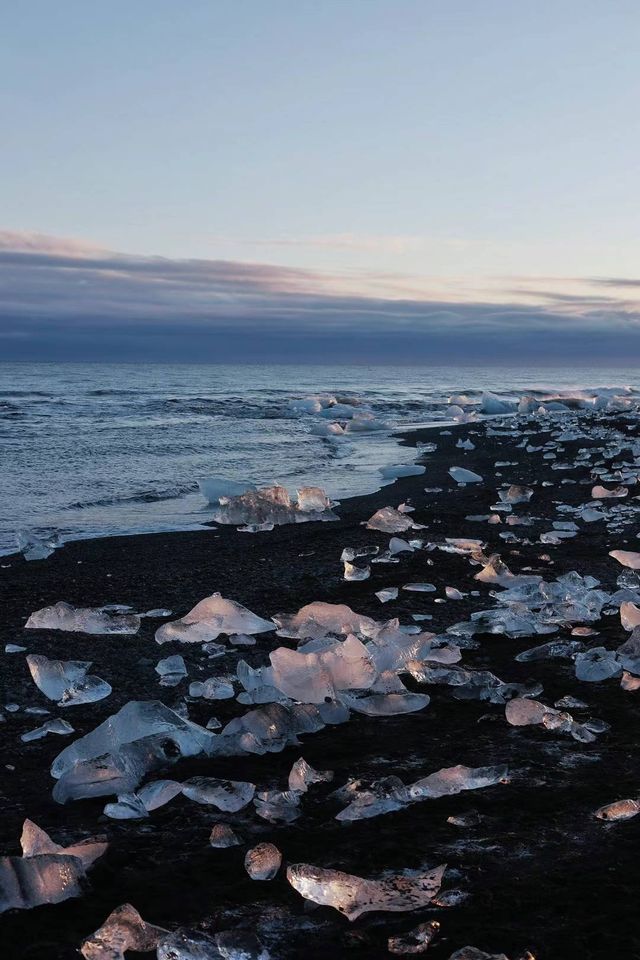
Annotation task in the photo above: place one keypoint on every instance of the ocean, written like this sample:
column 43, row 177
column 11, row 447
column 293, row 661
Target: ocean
column 102, row 449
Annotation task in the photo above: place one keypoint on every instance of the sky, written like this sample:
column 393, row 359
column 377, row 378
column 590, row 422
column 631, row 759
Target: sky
column 419, row 180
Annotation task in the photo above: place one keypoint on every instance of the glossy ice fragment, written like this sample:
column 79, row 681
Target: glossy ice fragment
column 516, row 494
column 157, row 793
column 629, row 615
column 187, row 944
column 129, row 806
column 389, row 520
column 56, row 725
column 63, row 616
column 353, row 895
column 597, row 664
column 123, row 930
column 302, row 775
column 227, row 795
column 172, row 670
column 278, row 806
column 618, row 810
column 353, row 572
column 223, row 836
column 387, row 594
column 461, row 475
column 240, row 945
column 627, row 558
column 211, row 617
column 263, row 861
column 415, row 941
column 419, row 587
column 66, row 681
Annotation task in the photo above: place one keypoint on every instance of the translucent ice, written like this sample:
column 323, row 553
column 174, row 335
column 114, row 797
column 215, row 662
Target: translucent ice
column 627, row 558
column 416, row 940
column 223, row 836
column 215, row 487
column 227, row 795
column 123, row 930
column 302, row 775
column 211, row 617
column 273, row 505
column 389, row 520
column 172, row 670
column 619, row 810
column 460, row 475
column 61, row 727
column 63, row 616
column 319, row 619
column 353, row 895
column 66, row 681
column 315, row 677
column 263, row 861
column 629, row 615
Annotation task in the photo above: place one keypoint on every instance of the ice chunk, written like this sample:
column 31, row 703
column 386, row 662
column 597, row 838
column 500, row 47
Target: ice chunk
column 302, row 775
column 419, row 587
column 211, row 617
column 236, row 945
column 66, row 681
column 263, row 861
column 602, row 493
column 629, row 615
column 222, row 836
column 452, row 780
column 61, row 727
column 33, row 547
column 46, row 872
column 278, row 805
column 319, row 619
column 273, row 505
column 516, row 494
column 124, row 929
column 172, row 670
column 214, row 688
column 393, row 472
column 387, row 704
column 460, row 475
column 227, row 795
column 312, row 500
column 522, row 713
column 556, row 649
column 98, row 620
column 619, row 810
column 353, row 895
column 215, row 487
column 128, row 807
column 492, row 404
column 353, row 572
column 597, row 664
column 115, row 757
column 627, row 558
column 315, row 677
column 157, row 793
column 387, row 594
column 389, row 520
column 416, row 940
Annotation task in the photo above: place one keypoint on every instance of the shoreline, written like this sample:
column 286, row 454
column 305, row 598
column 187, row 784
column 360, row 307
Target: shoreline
column 540, row 872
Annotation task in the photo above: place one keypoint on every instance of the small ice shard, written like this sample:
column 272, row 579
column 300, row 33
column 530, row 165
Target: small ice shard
column 14, row 648
column 186, row 944
column 419, row 587
column 386, row 704
column 627, row 558
column 387, row 594
column 465, row 445
column 317, row 620
column 33, row 547
column 66, row 681
column 123, row 930
column 597, row 664
column 302, row 775
column 460, row 475
column 157, row 613
column 516, row 494
column 416, row 940
column 222, row 836
column 263, row 861
column 629, row 615
column 55, row 725
column 523, row 713
column 452, row 593
column 157, row 793
column 556, row 649
column 227, row 795
column 215, row 487
column 353, row 895
column 389, row 520
column 236, row 945
column 618, row 810
column 353, row 572
column 214, row 688
column 217, row 616
column 315, row 677
column 629, row 682
column 602, row 493
column 393, row 472
column 63, row 616
column 172, row 670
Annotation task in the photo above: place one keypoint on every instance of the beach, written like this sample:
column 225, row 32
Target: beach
column 533, row 868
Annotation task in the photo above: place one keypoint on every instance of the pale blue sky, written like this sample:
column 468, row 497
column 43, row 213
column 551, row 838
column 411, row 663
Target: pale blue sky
column 422, row 146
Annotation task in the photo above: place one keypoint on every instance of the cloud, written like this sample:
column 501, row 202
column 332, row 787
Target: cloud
column 67, row 299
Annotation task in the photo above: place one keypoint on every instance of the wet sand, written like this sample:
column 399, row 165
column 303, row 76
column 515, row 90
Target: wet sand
column 539, row 870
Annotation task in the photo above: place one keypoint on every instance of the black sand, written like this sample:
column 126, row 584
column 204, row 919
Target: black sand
column 541, row 872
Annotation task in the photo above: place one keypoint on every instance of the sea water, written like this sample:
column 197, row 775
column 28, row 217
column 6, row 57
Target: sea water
column 103, row 449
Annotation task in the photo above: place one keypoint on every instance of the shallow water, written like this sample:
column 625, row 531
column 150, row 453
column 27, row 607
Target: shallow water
column 101, row 449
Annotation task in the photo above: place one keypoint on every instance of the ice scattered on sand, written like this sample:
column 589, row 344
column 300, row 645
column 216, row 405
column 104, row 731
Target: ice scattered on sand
column 56, row 725
column 353, row 895
column 461, row 475
column 389, row 520
column 628, row 558
column 274, row 505
column 387, row 594
column 227, row 795
column 172, row 670
column 619, row 810
column 302, row 776
column 223, row 836
column 123, row 930
column 416, row 940
column 34, row 547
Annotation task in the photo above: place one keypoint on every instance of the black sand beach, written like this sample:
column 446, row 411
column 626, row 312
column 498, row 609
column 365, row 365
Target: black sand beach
column 539, row 871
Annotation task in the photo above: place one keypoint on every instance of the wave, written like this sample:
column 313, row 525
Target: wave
column 174, row 492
